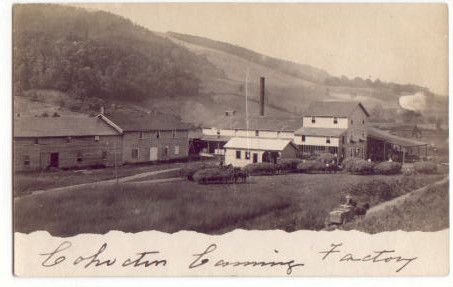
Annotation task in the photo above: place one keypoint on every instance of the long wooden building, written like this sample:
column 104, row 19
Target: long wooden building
column 41, row 143
column 150, row 137
column 64, row 142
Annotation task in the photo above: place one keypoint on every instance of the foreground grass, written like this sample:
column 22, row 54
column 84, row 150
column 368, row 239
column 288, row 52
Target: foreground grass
column 427, row 211
column 289, row 202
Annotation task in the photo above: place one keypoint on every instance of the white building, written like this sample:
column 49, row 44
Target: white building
column 240, row 151
column 214, row 138
column 335, row 127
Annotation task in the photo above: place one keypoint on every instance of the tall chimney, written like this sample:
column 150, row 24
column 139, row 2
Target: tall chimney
column 262, row 87
column 101, row 110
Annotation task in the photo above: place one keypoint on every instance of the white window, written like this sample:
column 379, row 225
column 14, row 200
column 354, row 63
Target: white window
column 176, row 149
column 96, row 138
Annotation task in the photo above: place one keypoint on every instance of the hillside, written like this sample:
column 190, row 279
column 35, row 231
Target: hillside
column 97, row 54
column 423, row 210
column 77, row 60
column 293, row 86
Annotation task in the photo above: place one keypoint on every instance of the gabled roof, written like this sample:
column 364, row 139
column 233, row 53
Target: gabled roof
column 61, row 127
column 329, row 132
column 258, row 144
column 393, row 139
column 333, row 109
column 262, row 123
column 146, row 122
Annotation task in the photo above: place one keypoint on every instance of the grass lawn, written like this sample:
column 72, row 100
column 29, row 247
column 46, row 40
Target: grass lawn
column 427, row 211
column 26, row 182
column 289, row 202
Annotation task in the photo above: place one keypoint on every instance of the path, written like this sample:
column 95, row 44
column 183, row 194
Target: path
column 402, row 198
column 109, row 182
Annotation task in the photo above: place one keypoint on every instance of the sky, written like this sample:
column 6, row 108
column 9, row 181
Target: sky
column 403, row 43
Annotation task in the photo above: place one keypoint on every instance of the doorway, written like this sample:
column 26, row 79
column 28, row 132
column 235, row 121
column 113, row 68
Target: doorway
column 54, row 159
column 153, row 153
column 255, row 158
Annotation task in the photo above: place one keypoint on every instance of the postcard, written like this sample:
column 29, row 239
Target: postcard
column 230, row 139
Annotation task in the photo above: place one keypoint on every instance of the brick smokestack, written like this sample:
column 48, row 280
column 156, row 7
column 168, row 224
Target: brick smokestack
column 262, row 88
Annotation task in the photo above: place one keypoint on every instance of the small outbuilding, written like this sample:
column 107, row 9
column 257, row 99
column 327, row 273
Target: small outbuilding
column 240, row 151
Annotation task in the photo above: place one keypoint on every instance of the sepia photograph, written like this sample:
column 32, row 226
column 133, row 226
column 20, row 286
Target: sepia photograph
column 224, row 119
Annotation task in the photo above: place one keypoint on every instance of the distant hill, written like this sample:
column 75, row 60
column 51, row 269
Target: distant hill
column 306, row 72
column 77, row 60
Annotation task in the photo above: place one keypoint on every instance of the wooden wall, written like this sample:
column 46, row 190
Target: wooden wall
column 68, row 149
column 132, row 140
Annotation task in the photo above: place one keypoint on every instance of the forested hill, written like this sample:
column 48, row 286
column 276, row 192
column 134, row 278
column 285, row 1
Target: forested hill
column 98, row 54
column 302, row 71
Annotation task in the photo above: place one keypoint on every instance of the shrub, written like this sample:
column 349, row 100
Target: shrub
column 358, row 166
column 189, row 171
column 289, row 164
column 212, row 175
column 387, row 167
column 327, row 158
column 372, row 192
column 311, row 166
column 425, row 167
column 263, row 168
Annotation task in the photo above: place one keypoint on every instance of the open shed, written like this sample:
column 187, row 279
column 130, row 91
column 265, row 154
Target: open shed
column 383, row 145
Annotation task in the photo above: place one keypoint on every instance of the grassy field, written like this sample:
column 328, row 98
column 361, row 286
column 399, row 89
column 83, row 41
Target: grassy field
column 427, row 211
column 26, row 182
column 288, row 202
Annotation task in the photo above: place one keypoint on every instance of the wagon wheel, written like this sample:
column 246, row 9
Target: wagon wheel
column 344, row 221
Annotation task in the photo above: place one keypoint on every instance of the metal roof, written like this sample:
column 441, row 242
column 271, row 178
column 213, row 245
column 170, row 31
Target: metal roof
column 215, row 138
column 333, row 109
column 258, row 143
column 147, row 122
column 329, row 132
column 61, row 127
column 393, row 139
column 262, row 123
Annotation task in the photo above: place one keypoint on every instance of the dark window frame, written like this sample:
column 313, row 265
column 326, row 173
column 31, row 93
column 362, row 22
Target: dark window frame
column 335, row 120
column 27, row 160
column 79, row 158
column 135, row 153
column 238, row 154
column 303, row 138
column 313, row 120
column 328, row 140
